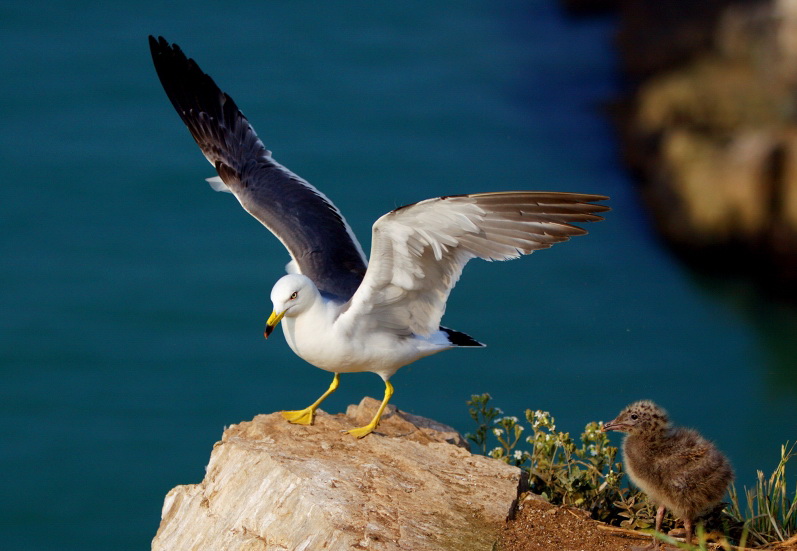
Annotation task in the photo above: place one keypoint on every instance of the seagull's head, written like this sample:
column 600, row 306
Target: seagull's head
column 640, row 417
column 291, row 295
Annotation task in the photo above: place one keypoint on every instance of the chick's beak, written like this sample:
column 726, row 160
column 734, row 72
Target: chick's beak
column 609, row 426
column 272, row 322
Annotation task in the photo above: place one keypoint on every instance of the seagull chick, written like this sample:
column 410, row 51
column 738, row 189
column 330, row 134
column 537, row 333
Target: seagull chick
column 676, row 467
column 339, row 312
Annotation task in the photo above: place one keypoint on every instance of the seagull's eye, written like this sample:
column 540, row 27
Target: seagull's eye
column 294, row 295
column 634, row 416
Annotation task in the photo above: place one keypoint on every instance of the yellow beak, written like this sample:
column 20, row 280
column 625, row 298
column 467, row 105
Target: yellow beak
column 272, row 322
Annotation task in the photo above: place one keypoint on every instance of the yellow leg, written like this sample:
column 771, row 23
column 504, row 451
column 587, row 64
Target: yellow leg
column 305, row 416
column 369, row 428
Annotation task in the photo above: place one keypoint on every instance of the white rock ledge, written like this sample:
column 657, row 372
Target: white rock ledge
column 270, row 485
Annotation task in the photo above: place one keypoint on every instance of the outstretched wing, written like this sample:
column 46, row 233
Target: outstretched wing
column 313, row 230
column 418, row 251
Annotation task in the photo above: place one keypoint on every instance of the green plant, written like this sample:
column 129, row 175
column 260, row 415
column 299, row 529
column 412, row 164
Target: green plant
column 484, row 416
column 587, row 476
column 701, row 545
column 560, row 470
column 771, row 512
column 636, row 511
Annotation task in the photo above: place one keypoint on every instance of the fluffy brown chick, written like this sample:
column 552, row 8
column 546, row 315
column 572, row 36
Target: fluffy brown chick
column 676, row 467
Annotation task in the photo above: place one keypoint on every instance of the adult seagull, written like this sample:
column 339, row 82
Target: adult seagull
column 340, row 313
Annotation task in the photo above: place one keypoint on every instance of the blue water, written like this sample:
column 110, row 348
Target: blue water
column 133, row 297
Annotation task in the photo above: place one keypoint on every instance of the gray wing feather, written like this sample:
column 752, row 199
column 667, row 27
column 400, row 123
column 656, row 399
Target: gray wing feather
column 312, row 229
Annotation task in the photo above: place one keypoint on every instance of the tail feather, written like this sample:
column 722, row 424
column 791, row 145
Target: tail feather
column 458, row 338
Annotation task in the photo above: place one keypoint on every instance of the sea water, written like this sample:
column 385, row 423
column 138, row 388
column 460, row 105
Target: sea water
column 134, row 297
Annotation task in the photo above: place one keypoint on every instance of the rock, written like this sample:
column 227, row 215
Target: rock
column 709, row 130
column 411, row 485
column 654, row 36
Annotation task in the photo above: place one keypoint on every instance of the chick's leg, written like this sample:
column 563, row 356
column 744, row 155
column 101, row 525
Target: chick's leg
column 688, row 528
column 659, row 520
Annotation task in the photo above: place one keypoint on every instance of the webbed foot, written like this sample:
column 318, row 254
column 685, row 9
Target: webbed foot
column 360, row 432
column 300, row 417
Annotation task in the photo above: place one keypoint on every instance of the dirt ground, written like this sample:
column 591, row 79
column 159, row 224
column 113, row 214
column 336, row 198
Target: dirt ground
column 540, row 526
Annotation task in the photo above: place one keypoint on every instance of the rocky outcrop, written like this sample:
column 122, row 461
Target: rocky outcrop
column 412, row 485
column 710, row 129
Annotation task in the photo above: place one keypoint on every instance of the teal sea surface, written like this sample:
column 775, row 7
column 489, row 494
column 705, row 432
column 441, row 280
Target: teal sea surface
column 134, row 297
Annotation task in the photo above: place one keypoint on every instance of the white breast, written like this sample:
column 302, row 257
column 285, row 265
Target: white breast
column 317, row 339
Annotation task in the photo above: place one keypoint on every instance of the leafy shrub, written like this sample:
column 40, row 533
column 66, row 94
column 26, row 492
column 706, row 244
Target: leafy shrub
column 561, row 470
column 588, row 477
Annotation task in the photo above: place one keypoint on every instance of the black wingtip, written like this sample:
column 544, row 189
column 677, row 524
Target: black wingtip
column 191, row 91
column 160, row 46
column 164, row 54
column 458, row 338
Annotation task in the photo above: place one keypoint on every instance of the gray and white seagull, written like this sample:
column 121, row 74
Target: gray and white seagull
column 341, row 313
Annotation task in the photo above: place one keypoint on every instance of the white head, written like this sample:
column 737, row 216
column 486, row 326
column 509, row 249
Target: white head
column 291, row 295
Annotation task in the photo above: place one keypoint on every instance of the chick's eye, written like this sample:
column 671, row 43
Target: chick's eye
column 294, row 295
column 634, row 416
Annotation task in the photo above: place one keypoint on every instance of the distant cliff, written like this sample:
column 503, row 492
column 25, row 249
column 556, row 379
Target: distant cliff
column 270, row 485
column 709, row 128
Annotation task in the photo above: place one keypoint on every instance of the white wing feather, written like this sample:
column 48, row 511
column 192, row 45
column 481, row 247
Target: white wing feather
column 418, row 251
